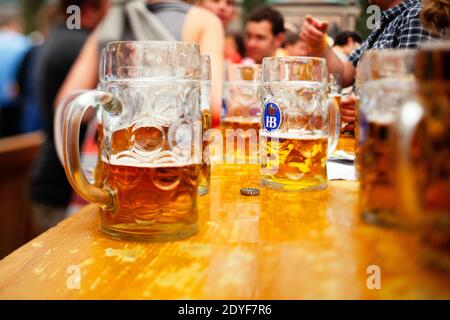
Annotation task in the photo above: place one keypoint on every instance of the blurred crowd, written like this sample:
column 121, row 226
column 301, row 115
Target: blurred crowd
column 40, row 69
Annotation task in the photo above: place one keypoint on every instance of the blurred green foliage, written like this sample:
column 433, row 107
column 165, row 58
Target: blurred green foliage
column 361, row 21
column 30, row 8
column 248, row 6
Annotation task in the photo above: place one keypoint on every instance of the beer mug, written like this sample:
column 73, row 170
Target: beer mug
column 151, row 141
column 424, row 165
column 241, row 123
column 299, row 126
column 205, row 107
column 386, row 83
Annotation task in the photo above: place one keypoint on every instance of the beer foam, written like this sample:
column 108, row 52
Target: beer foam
column 292, row 135
column 162, row 160
column 381, row 118
column 145, row 81
column 241, row 119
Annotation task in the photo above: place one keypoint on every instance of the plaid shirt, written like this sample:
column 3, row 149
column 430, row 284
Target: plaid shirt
column 399, row 27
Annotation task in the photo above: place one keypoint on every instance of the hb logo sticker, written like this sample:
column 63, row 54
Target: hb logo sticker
column 272, row 116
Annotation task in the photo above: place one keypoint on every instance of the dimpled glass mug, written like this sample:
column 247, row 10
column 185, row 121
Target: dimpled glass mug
column 423, row 155
column 299, row 125
column 150, row 151
column 386, row 82
column 205, row 107
column 241, row 122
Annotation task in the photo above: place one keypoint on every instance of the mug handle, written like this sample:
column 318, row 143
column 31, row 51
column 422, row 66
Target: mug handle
column 58, row 123
column 71, row 117
column 334, row 123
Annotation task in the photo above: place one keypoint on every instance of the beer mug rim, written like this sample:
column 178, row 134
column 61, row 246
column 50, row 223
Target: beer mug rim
column 151, row 60
column 368, row 56
column 379, row 63
column 152, row 43
column 389, row 52
column 278, row 63
column 267, row 60
column 232, row 67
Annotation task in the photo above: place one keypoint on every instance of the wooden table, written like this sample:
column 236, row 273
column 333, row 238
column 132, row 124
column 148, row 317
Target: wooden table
column 17, row 157
column 278, row 245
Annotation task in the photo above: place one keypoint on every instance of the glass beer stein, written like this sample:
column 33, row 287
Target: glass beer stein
column 151, row 141
column 424, row 152
column 241, row 123
column 299, row 126
column 336, row 96
column 205, row 106
column 387, row 82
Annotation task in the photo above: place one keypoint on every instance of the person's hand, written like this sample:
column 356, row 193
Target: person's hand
column 314, row 33
column 348, row 112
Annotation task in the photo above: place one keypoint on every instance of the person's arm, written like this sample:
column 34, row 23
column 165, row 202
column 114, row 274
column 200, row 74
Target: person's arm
column 84, row 72
column 204, row 28
column 313, row 32
column 336, row 65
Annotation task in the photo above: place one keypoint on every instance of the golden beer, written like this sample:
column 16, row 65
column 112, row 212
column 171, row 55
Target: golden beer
column 377, row 159
column 424, row 166
column 241, row 138
column 357, row 132
column 151, row 198
column 430, row 155
column 142, row 138
column 434, row 186
column 294, row 162
column 244, row 123
column 98, row 168
column 205, row 172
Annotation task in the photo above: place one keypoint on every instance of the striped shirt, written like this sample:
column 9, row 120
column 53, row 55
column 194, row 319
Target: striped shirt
column 399, row 27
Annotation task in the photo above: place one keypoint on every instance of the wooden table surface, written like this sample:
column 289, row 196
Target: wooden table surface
column 278, row 245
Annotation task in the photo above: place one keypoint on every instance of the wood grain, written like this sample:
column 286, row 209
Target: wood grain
column 17, row 155
column 278, row 245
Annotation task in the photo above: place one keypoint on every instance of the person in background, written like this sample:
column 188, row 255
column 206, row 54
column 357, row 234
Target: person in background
column 345, row 42
column 435, row 16
column 175, row 20
column 264, row 32
column 234, row 48
column 27, row 80
column 399, row 28
column 293, row 45
column 13, row 47
column 50, row 191
column 225, row 10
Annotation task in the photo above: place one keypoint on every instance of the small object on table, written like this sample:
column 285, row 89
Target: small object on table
column 250, row 191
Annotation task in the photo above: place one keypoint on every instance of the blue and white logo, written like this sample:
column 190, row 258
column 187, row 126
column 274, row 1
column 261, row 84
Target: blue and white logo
column 271, row 116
